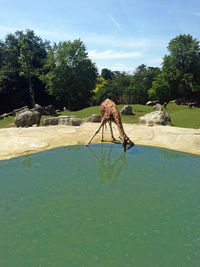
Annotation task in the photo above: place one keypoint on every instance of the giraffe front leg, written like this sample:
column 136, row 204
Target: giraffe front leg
column 95, row 134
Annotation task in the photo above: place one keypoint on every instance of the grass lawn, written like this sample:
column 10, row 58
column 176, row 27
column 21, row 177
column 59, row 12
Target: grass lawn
column 186, row 118
column 181, row 116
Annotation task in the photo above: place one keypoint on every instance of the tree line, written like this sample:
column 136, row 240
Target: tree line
column 34, row 71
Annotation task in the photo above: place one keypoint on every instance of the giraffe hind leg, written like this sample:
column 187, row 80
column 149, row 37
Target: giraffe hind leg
column 102, row 133
column 110, row 124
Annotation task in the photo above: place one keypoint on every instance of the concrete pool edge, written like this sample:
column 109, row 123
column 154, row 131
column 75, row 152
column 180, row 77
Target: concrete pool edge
column 21, row 141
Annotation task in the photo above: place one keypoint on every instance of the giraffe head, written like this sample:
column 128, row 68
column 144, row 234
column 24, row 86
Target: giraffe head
column 126, row 141
column 124, row 144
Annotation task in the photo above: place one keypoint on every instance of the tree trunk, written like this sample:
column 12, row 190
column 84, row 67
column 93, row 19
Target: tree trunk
column 32, row 92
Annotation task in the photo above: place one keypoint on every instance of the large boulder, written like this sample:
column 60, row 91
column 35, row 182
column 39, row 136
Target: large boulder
column 127, row 110
column 156, row 118
column 27, row 118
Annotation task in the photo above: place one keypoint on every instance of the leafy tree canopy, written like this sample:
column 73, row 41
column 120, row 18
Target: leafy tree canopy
column 22, row 58
column 180, row 71
column 71, row 75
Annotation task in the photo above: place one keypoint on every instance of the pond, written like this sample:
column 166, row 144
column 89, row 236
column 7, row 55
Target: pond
column 98, row 206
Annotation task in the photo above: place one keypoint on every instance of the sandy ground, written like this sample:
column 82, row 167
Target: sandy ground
column 20, row 141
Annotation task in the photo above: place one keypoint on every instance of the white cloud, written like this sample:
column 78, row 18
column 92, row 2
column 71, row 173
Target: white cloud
column 89, row 38
column 114, row 21
column 120, row 41
column 122, row 67
column 118, row 67
column 156, row 61
column 110, row 54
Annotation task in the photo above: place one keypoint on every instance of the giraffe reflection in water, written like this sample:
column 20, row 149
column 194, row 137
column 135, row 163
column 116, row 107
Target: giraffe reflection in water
column 109, row 169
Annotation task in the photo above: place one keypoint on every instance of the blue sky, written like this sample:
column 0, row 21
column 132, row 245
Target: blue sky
column 118, row 34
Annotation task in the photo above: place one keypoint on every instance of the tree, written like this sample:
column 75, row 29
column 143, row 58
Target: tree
column 26, row 66
column 20, row 52
column 160, row 89
column 71, row 75
column 11, row 84
column 180, row 71
column 101, row 82
column 182, row 65
column 113, row 88
column 142, row 81
column 33, row 52
column 126, row 88
column 107, row 74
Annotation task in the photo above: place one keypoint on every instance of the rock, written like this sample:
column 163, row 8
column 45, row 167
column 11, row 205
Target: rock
column 19, row 110
column 27, row 118
column 50, row 121
column 62, row 120
column 69, row 120
column 165, row 105
column 93, row 118
column 180, row 101
column 40, row 109
column 75, row 122
column 158, row 107
column 22, row 110
column 50, row 110
column 127, row 110
column 152, row 103
column 4, row 115
column 14, row 112
column 194, row 104
column 156, row 118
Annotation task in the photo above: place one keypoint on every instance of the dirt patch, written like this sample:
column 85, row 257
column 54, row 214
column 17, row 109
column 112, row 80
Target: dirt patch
column 21, row 141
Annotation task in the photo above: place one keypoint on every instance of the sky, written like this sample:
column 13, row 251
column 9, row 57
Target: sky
column 118, row 34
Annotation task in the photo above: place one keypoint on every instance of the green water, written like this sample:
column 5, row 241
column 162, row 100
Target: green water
column 97, row 206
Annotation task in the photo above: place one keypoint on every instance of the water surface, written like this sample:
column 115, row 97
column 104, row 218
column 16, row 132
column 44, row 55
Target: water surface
column 98, row 206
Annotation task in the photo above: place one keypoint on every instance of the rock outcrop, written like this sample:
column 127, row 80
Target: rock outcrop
column 127, row 110
column 27, row 118
column 50, row 121
column 152, row 103
column 158, row 107
column 62, row 120
column 156, row 118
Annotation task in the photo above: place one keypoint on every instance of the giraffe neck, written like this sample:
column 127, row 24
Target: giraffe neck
column 120, row 127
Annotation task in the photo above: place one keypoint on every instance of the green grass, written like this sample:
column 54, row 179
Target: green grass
column 84, row 113
column 186, row 118
column 181, row 116
column 7, row 122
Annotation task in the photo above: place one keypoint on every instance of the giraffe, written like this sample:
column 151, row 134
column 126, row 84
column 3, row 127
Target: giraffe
column 110, row 113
